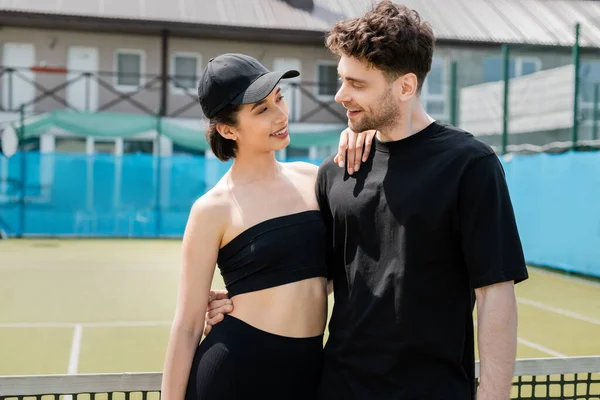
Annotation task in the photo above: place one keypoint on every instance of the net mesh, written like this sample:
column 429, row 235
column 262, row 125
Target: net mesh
column 577, row 386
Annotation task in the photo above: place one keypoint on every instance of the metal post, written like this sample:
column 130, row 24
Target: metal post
column 10, row 89
column 23, row 165
column 164, row 72
column 576, row 60
column 595, row 113
column 164, row 80
column 506, row 65
column 87, row 91
column 453, row 98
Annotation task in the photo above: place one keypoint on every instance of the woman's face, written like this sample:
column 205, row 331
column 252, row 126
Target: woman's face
column 263, row 126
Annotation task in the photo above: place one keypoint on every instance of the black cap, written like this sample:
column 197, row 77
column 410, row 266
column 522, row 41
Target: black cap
column 236, row 79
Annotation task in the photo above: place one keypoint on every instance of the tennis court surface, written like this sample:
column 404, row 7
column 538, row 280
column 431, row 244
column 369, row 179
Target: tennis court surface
column 73, row 306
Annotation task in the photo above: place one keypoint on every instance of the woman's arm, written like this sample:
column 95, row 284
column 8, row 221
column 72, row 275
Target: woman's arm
column 201, row 242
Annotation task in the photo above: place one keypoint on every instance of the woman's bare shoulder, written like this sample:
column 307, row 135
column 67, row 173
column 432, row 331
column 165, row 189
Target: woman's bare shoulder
column 303, row 168
column 214, row 206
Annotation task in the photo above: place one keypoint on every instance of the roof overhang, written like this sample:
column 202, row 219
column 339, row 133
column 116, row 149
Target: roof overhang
column 154, row 28
column 22, row 19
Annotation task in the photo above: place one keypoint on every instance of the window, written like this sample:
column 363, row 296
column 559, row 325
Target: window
column 435, row 78
column 20, row 56
column 129, row 68
column 133, row 146
column 104, row 146
column 589, row 78
column 529, row 67
column 434, row 92
column 73, row 145
column 185, row 71
column 290, row 87
column 493, row 68
column 327, row 79
column 31, row 144
column 589, row 75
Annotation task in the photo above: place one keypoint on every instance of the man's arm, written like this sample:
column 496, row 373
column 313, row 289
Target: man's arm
column 321, row 191
column 495, row 263
column 497, row 339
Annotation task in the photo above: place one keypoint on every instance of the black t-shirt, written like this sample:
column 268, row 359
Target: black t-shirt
column 424, row 222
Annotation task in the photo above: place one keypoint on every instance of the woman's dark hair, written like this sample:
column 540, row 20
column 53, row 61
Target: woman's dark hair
column 224, row 149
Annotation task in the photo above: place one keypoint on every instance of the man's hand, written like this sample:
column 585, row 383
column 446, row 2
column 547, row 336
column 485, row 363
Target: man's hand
column 218, row 305
column 351, row 146
column 497, row 338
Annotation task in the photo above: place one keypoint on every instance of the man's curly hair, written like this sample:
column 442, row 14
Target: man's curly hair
column 390, row 37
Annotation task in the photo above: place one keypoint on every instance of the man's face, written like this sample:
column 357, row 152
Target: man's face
column 367, row 95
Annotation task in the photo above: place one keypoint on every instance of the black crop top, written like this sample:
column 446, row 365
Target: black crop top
column 275, row 252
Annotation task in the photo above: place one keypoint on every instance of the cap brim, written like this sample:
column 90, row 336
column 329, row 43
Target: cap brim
column 260, row 88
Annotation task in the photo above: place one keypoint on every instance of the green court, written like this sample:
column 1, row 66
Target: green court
column 98, row 306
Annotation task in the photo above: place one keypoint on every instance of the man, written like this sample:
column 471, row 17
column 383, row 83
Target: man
column 422, row 229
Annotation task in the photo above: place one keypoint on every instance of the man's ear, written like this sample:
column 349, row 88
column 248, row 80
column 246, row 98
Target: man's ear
column 406, row 86
column 227, row 131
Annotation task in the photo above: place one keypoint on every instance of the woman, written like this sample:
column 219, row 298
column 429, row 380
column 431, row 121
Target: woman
column 261, row 224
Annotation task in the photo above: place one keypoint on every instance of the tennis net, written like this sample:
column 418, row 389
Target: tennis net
column 571, row 378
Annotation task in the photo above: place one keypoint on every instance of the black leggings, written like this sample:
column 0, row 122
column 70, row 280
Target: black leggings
column 239, row 361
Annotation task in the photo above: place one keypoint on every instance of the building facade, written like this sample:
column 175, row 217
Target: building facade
column 144, row 57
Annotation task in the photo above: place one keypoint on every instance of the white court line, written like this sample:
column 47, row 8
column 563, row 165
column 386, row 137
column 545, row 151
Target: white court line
column 75, row 350
column 126, row 324
column 37, row 325
column 540, row 348
column 74, row 356
column 559, row 311
column 534, row 345
column 108, row 324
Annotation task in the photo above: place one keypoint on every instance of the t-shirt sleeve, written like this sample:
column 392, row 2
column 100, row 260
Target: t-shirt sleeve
column 488, row 231
column 323, row 201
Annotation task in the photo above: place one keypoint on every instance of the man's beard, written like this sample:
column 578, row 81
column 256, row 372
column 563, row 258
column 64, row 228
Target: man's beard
column 388, row 115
